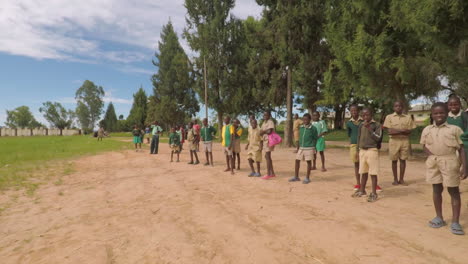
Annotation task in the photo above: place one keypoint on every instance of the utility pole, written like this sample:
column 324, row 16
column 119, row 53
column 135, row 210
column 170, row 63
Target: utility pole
column 289, row 105
column 206, row 87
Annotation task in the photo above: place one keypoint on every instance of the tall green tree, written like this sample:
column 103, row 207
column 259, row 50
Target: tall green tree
column 89, row 98
column 21, row 117
column 138, row 112
column 57, row 115
column 173, row 84
column 110, row 119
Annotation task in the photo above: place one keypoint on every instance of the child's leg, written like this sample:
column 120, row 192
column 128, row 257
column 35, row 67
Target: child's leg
column 207, row 155
column 314, row 167
column 232, row 163
column 258, row 167
column 296, row 169
column 211, row 157
column 395, row 172
column 374, row 184
column 238, row 161
column 437, row 190
column 267, row 159
column 172, row 155
column 251, row 164
column 402, row 171
column 191, row 156
column 309, row 168
column 456, row 203
column 322, row 158
column 178, row 153
column 364, row 177
column 271, row 165
column 140, row 145
column 356, row 173
column 196, row 156
column 228, row 160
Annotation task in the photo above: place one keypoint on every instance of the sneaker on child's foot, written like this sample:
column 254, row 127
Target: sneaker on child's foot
column 357, row 187
column 378, row 188
column 266, row 177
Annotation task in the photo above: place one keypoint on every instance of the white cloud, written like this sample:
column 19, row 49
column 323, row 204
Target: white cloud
column 109, row 97
column 87, row 30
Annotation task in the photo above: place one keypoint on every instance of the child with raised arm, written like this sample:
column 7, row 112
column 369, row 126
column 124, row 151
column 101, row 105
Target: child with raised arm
column 207, row 134
column 136, row 132
column 322, row 130
column 441, row 142
column 226, row 135
column 192, row 139
column 254, row 148
column 305, row 148
column 236, row 142
column 369, row 140
column 174, row 143
column 352, row 126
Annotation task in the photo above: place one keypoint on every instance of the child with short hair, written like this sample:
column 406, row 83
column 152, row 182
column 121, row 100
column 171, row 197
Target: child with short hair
column 305, row 148
column 193, row 139
column 207, row 134
column 254, row 148
column 399, row 126
column 322, row 130
column 458, row 118
column 352, row 126
column 174, row 143
column 236, row 142
column 369, row 140
column 136, row 132
column 441, row 142
column 226, row 135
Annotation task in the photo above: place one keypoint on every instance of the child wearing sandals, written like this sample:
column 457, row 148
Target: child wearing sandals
column 305, row 148
column 254, row 148
column 441, row 142
column 369, row 139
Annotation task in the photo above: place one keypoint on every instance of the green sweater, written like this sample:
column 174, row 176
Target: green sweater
column 174, row 139
column 207, row 133
column 353, row 130
column 307, row 136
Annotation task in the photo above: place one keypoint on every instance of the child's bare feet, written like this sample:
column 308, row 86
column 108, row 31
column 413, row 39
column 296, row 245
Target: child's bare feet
column 313, row 168
column 402, row 182
column 324, row 170
column 395, row 183
column 226, row 170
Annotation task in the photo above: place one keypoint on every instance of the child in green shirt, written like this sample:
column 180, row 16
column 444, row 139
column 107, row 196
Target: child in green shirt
column 306, row 148
column 174, row 143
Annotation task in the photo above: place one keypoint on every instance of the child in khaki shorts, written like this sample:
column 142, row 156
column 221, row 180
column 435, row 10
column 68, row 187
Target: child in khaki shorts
column 254, row 148
column 441, row 142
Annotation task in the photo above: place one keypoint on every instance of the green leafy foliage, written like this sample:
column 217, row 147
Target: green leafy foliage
column 57, row 115
column 21, row 117
column 110, row 119
column 89, row 98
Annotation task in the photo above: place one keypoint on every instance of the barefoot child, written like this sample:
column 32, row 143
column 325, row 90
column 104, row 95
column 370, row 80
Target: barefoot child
column 441, row 142
column 297, row 124
column 267, row 128
column 226, row 143
column 353, row 126
column 207, row 133
column 306, row 148
column 369, row 139
column 136, row 132
column 254, row 148
column 174, row 143
column 236, row 142
column 399, row 128
column 192, row 139
column 322, row 130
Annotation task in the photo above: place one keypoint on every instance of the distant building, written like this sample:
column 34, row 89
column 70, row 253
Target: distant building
column 420, row 113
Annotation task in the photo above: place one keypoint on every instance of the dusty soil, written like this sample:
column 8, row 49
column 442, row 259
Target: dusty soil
column 127, row 207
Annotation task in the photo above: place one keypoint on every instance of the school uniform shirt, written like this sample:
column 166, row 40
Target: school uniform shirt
column 352, row 127
column 307, row 136
column 191, row 133
column 174, row 139
column 156, row 129
column 455, row 120
column 321, row 126
column 369, row 139
column 207, row 133
column 238, row 132
column 254, row 139
column 397, row 121
column 226, row 135
column 269, row 124
column 442, row 140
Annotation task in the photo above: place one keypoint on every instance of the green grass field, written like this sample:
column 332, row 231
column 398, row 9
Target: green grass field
column 23, row 157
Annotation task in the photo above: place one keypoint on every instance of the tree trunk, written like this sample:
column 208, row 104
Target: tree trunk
column 220, row 123
column 288, row 128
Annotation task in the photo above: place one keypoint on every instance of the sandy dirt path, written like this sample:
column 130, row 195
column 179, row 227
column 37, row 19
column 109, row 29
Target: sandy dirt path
column 127, row 207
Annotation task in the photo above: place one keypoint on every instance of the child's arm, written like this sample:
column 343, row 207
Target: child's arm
column 464, row 172
column 427, row 151
column 247, row 146
column 261, row 145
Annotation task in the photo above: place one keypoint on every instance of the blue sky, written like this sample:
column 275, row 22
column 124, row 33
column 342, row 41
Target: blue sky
column 49, row 47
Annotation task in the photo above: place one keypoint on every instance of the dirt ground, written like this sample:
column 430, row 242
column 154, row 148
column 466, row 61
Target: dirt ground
column 127, row 207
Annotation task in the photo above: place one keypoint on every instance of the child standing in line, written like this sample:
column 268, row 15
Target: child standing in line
column 226, row 134
column 458, row 118
column 174, row 143
column 207, row 134
column 267, row 128
column 369, row 140
column 193, row 139
column 352, row 126
column 236, row 142
column 296, row 125
column 254, row 148
column 322, row 130
column 136, row 132
column 441, row 142
column 399, row 128
column 305, row 148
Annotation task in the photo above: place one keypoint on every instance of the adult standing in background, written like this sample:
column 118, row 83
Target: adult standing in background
column 155, row 131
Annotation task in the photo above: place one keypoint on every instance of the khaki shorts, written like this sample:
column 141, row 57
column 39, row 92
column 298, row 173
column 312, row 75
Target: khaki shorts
column 266, row 147
column 443, row 169
column 369, row 161
column 305, row 154
column 175, row 148
column 353, row 152
column 207, row 146
column 227, row 151
column 236, row 146
column 192, row 146
column 256, row 156
column 398, row 148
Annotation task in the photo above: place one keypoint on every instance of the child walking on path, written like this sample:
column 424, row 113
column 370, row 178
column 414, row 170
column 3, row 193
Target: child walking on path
column 207, row 134
column 369, row 140
column 322, row 130
column 306, row 148
column 174, row 143
column 399, row 128
column 236, row 142
column 254, row 148
column 193, row 139
column 226, row 135
column 136, row 132
column 352, row 126
column 441, row 142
